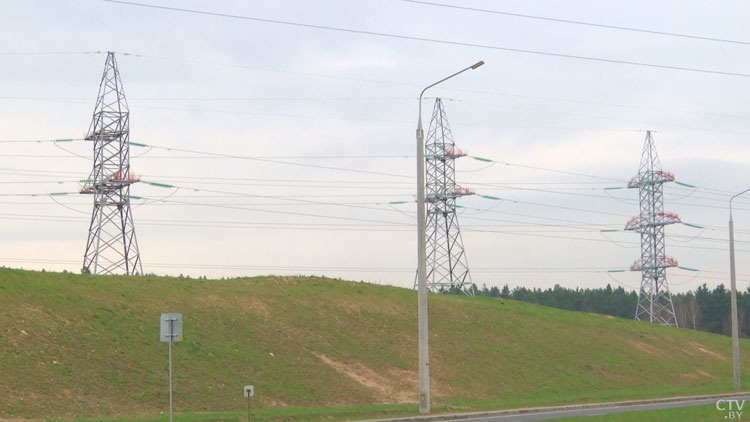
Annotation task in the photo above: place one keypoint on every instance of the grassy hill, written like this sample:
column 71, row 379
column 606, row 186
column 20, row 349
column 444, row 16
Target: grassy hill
column 74, row 346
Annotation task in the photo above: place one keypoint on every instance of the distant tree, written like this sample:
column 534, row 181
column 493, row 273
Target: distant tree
column 704, row 309
column 714, row 307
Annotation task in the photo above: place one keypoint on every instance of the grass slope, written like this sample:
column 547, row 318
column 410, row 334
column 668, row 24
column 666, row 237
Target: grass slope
column 74, row 345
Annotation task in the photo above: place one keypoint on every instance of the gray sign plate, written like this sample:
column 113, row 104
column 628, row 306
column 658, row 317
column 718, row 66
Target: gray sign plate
column 176, row 324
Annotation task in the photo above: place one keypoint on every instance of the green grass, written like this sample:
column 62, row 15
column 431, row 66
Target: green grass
column 74, row 346
column 682, row 414
column 327, row 413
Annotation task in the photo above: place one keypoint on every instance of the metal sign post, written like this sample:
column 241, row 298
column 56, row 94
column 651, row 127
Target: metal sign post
column 170, row 330
column 249, row 392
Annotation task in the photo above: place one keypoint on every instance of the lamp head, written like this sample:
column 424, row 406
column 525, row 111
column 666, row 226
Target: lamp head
column 477, row 64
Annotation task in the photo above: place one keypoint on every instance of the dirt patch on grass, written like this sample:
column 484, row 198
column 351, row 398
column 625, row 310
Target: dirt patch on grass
column 695, row 375
column 688, row 375
column 704, row 373
column 11, row 397
column 254, row 306
column 610, row 376
column 711, row 353
column 644, row 347
column 352, row 308
column 601, row 315
column 391, row 387
column 273, row 402
column 212, row 301
column 380, row 308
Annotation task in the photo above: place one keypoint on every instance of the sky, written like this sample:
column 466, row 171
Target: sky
column 312, row 131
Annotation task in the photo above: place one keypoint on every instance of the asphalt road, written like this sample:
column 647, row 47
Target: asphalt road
column 600, row 411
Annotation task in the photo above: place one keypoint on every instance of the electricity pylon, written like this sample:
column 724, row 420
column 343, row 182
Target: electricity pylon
column 447, row 268
column 654, row 300
column 112, row 247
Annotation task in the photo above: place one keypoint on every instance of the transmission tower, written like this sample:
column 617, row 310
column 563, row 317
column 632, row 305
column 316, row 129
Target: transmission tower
column 654, row 301
column 447, row 268
column 112, row 247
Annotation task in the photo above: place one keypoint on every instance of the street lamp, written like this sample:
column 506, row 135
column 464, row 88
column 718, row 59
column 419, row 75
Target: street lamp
column 735, row 322
column 424, row 352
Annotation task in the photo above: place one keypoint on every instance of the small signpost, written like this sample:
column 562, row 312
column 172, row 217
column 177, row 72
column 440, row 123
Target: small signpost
column 249, row 392
column 170, row 331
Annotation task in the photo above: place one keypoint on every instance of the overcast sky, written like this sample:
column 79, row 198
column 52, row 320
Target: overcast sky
column 336, row 101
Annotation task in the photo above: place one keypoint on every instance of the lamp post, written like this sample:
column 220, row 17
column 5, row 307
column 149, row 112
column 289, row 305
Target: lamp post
column 735, row 322
column 424, row 352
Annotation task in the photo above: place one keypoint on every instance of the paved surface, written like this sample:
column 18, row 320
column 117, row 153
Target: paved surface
column 596, row 411
column 583, row 410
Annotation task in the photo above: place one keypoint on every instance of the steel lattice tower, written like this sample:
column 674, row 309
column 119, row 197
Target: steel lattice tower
column 447, row 268
column 654, row 301
column 112, row 247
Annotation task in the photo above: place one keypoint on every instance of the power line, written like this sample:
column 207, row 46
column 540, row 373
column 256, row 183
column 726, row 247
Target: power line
column 215, row 99
column 380, row 226
column 598, row 25
column 220, row 224
column 479, row 124
column 560, row 192
column 79, row 100
column 44, row 173
column 46, row 53
column 625, row 200
column 592, row 211
column 212, row 154
column 376, row 227
column 300, row 214
column 515, row 108
column 424, row 39
column 403, row 176
column 380, row 173
column 595, row 103
column 488, row 160
column 262, row 159
column 635, row 244
column 37, row 156
column 4, row 182
column 39, row 141
column 292, row 199
column 245, row 157
column 286, row 157
column 297, row 199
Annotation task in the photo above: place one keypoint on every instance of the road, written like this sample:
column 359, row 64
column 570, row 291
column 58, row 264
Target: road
column 594, row 412
column 542, row 414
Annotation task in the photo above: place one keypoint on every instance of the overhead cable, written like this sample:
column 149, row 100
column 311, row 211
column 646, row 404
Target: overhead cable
column 574, row 22
column 431, row 40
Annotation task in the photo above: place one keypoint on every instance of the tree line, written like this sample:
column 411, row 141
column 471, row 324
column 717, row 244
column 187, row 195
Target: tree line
column 704, row 309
